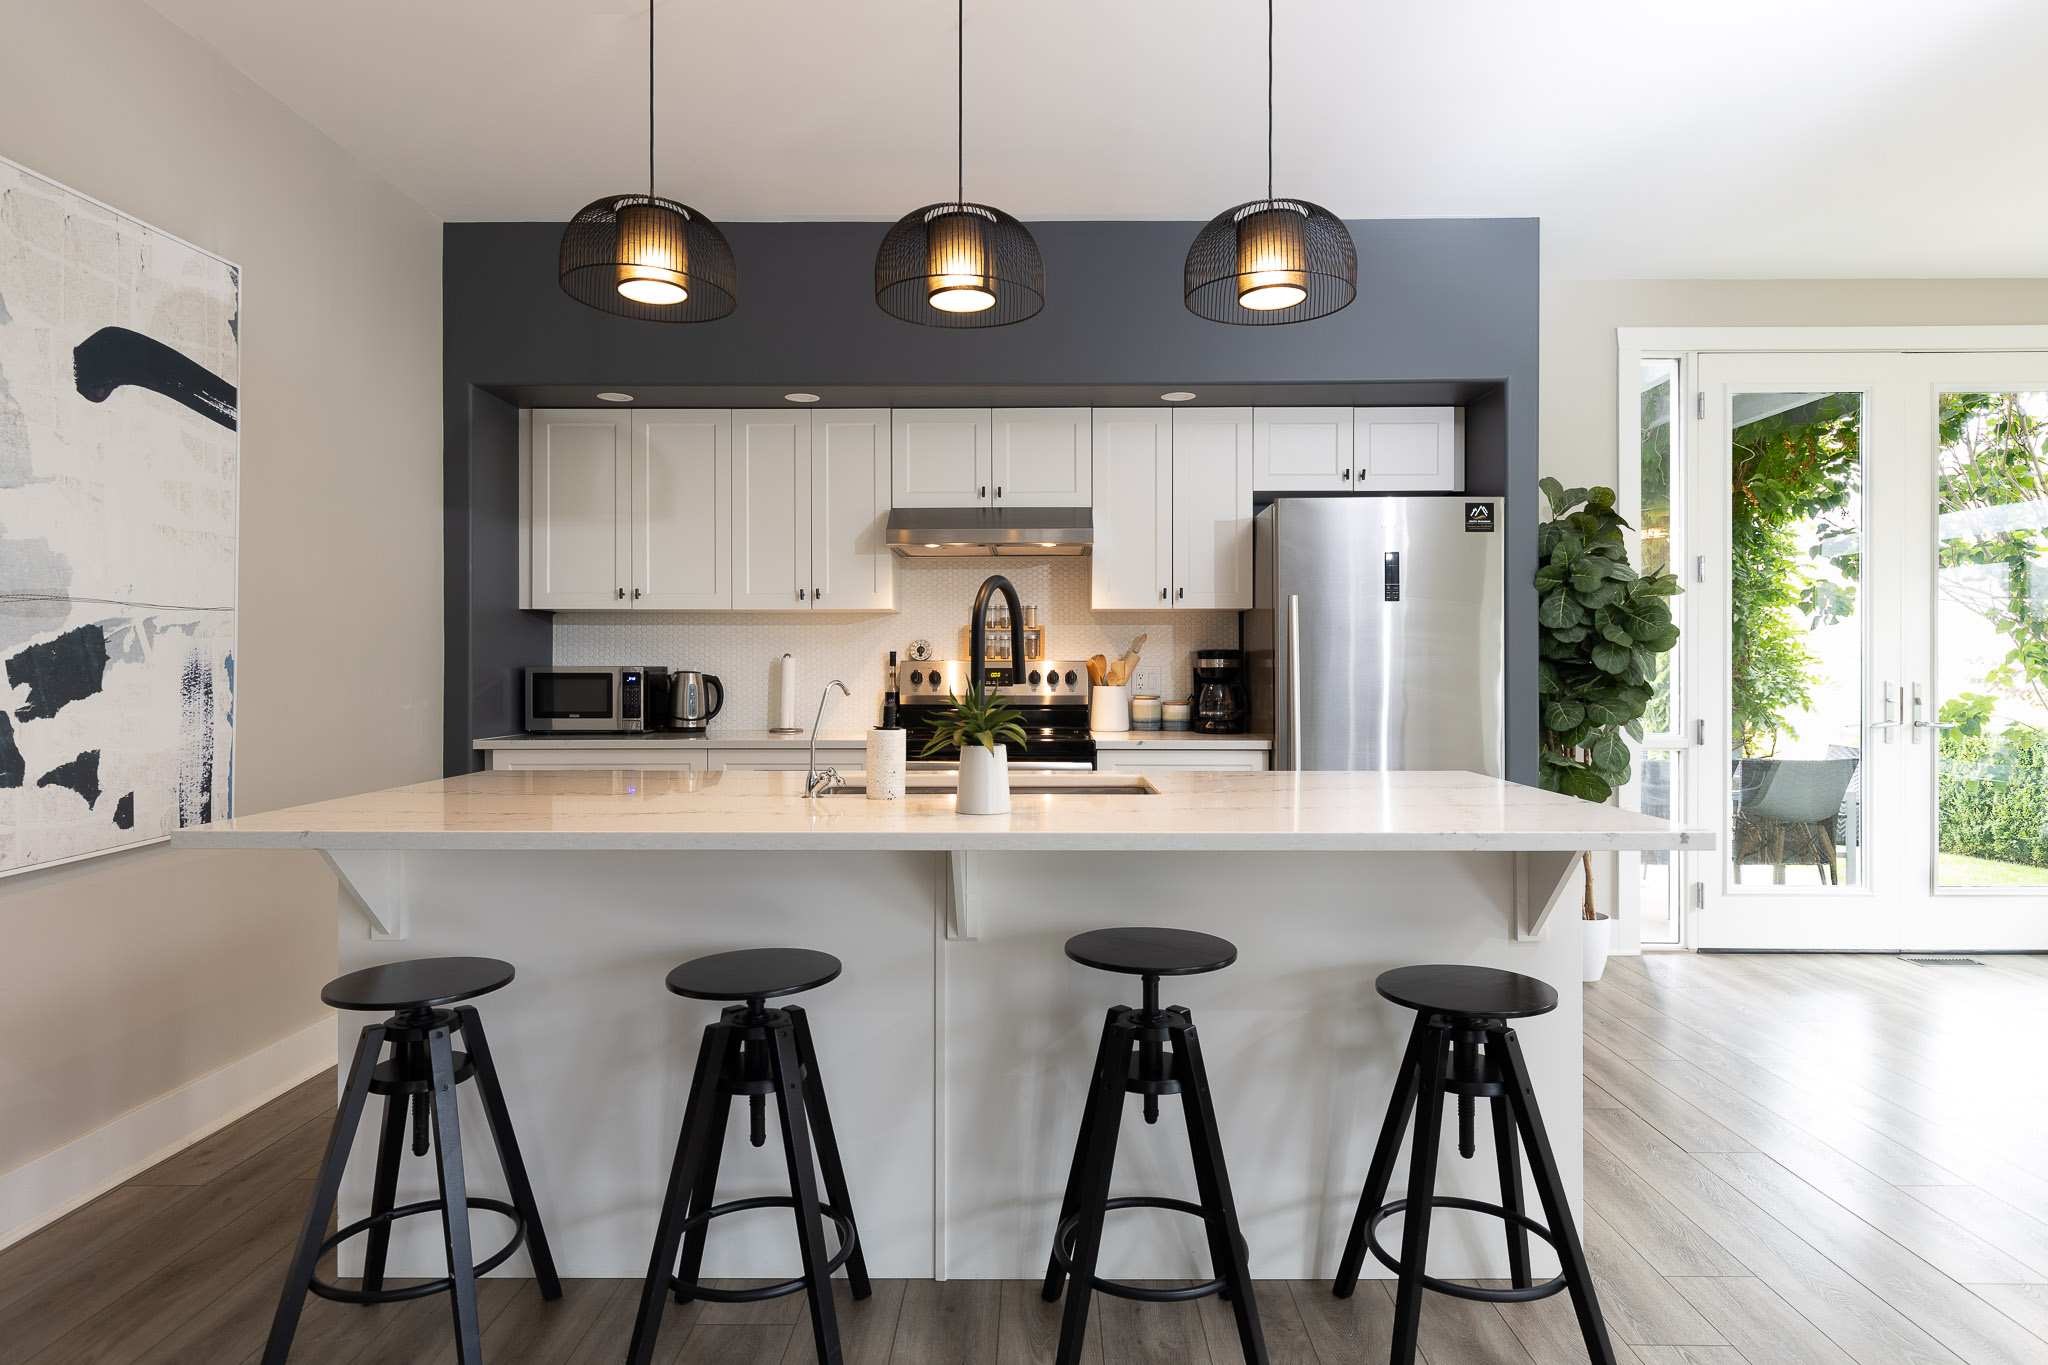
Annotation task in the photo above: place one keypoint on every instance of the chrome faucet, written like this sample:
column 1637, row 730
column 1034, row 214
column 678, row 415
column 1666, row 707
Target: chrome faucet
column 977, row 629
column 820, row 782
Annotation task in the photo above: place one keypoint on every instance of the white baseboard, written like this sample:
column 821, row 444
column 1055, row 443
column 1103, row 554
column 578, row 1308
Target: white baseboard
column 41, row 1191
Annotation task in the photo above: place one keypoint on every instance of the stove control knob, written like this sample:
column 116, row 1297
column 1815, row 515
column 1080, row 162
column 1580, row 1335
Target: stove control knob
column 1034, row 677
column 916, row 676
column 935, row 682
column 1070, row 677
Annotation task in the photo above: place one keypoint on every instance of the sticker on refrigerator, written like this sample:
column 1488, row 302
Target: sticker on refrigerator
column 1479, row 516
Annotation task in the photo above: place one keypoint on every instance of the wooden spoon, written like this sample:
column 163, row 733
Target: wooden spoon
column 1098, row 670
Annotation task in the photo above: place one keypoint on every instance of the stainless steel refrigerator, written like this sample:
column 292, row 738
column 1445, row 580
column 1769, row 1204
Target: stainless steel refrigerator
column 1374, row 639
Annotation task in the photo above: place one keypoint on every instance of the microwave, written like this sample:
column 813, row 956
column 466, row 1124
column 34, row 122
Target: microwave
column 614, row 700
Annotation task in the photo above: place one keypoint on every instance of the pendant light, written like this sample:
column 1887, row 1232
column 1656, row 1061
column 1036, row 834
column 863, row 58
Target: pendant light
column 959, row 264
column 642, row 256
column 1271, row 260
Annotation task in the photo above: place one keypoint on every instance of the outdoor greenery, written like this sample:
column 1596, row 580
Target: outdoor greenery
column 981, row 717
column 1601, row 626
column 1992, row 797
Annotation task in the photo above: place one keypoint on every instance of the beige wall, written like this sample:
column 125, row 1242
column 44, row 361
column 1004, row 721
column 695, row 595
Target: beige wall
column 125, row 977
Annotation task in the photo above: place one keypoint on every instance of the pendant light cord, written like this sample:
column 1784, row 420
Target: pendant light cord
column 960, row 87
column 650, row 104
column 1269, row 102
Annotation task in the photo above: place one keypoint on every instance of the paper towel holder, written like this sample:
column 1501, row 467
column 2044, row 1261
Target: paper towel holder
column 786, row 690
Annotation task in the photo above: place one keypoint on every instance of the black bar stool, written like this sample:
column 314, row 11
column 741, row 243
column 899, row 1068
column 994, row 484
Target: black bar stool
column 1133, row 1058
column 421, row 1075
column 1461, row 1045
column 757, row 1052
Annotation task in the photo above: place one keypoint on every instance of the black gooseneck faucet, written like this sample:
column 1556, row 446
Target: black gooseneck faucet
column 977, row 630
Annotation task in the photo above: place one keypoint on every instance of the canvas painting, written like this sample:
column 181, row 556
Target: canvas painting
column 119, row 465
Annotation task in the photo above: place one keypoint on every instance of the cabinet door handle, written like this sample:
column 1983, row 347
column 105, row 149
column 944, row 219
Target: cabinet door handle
column 799, row 594
column 636, row 594
column 999, row 490
column 1347, row 476
column 622, row 594
column 1162, row 594
column 817, row 594
column 984, row 490
column 1180, row 593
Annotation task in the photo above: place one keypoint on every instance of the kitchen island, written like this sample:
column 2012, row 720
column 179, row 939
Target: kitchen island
column 957, row 1043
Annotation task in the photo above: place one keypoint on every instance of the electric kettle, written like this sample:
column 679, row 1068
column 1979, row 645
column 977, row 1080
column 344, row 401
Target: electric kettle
column 690, row 701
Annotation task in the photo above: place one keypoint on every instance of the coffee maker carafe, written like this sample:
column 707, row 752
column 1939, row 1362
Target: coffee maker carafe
column 1221, row 702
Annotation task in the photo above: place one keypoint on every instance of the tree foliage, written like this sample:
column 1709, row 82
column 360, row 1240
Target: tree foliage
column 1992, row 460
column 1601, row 626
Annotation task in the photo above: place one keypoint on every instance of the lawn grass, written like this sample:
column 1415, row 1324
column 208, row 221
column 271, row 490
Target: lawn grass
column 1960, row 869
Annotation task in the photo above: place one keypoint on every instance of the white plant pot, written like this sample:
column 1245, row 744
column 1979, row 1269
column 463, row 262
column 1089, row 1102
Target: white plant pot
column 1597, row 939
column 984, row 780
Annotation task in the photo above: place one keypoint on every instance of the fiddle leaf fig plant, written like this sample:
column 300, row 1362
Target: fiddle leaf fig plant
column 1600, row 627
column 981, row 717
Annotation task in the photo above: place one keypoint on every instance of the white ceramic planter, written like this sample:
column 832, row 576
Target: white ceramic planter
column 1598, row 941
column 984, row 780
column 1109, row 709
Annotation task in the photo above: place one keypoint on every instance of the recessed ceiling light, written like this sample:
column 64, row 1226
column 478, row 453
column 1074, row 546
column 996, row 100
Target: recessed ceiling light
column 1177, row 396
column 616, row 397
column 801, row 397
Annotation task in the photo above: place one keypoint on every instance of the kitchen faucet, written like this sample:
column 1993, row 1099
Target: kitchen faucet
column 819, row 783
column 977, row 630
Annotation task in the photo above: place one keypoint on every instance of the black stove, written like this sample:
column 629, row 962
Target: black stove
column 1051, row 694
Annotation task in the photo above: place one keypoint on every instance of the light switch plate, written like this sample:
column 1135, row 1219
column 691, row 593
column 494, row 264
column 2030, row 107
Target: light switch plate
column 1148, row 680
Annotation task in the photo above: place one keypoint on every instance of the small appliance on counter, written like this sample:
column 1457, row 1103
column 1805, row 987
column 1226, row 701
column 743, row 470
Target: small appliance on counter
column 691, row 701
column 1221, row 701
column 619, row 700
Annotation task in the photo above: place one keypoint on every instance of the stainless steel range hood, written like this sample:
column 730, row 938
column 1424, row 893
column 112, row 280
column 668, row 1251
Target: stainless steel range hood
column 988, row 531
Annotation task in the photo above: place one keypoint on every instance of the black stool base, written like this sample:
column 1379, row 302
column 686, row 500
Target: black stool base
column 756, row 1052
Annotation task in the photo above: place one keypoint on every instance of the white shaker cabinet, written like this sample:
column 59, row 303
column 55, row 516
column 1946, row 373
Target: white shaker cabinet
column 771, row 510
column 681, row 511
column 851, row 567
column 1302, row 450
column 580, row 544
column 1173, row 509
column 1418, row 450
column 1043, row 457
column 942, row 457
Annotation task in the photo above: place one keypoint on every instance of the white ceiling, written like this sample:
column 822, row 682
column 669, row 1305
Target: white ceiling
column 1716, row 138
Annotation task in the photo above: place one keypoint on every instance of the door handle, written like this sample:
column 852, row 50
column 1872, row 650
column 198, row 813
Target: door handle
column 817, row 594
column 1294, row 682
column 799, row 594
column 984, row 490
column 636, row 594
column 1162, row 594
column 1179, row 593
column 1920, row 723
column 1890, row 721
column 622, row 594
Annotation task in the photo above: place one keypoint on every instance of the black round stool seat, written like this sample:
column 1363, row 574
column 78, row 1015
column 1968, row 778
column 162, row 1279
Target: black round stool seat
column 753, row 974
column 422, row 983
column 1468, row 992
column 1152, row 952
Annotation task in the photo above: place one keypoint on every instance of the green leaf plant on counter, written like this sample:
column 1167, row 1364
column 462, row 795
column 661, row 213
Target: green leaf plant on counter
column 1600, row 627
column 981, row 717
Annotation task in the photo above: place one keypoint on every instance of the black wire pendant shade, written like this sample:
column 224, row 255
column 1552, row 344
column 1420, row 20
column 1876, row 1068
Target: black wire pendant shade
column 959, row 264
column 1271, row 260
column 642, row 256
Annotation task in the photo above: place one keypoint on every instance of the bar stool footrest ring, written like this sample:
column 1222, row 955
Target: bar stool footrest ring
column 848, row 1239
column 1063, row 1253
column 1465, row 1291
column 327, row 1289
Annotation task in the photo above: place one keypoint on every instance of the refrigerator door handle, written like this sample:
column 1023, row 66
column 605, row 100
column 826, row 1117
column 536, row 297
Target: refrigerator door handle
column 1294, row 682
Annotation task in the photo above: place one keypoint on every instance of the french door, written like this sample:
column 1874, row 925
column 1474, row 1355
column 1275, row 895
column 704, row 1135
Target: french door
column 1865, row 674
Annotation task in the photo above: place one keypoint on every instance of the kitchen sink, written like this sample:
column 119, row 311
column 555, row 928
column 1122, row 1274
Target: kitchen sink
column 1083, row 786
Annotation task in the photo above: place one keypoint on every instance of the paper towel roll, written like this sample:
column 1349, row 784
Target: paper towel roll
column 886, row 749
column 786, row 718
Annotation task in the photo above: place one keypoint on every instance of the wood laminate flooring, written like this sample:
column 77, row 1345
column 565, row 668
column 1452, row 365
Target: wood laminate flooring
column 1790, row 1160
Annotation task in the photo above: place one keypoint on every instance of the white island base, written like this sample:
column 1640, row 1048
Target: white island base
column 957, row 1043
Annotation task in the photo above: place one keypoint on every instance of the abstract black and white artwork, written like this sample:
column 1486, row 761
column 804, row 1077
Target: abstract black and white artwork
column 120, row 354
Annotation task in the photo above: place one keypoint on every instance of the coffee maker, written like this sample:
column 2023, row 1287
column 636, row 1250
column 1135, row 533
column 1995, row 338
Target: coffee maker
column 1221, row 701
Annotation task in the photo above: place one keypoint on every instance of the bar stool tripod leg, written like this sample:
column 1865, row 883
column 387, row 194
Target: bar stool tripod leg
column 306, row 1256
column 1429, row 1122
column 384, row 1191
column 705, row 1191
column 1381, row 1173
column 1106, row 1099
column 1557, row 1213
column 502, row 1137
column 830, row 1169
column 1507, row 1155
column 1212, row 1179
column 719, row 1041
column 803, row 1183
column 1070, row 1204
column 469, row 1347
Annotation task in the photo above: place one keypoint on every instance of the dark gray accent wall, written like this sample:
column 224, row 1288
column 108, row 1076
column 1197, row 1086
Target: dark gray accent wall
column 1440, row 301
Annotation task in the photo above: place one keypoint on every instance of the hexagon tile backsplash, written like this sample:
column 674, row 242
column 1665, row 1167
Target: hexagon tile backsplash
column 934, row 596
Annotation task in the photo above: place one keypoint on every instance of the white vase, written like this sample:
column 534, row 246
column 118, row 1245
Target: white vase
column 1597, row 939
column 1109, row 709
column 984, row 780
column 885, row 764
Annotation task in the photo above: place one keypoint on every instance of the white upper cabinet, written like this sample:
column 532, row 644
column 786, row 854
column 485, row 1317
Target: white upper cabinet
column 580, row 546
column 1132, row 565
column 1212, row 508
column 1043, row 457
column 681, row 504
column 1302, row 450
column 1410, row 449
column 771, row 510
column 942, row 457
column 851, row 568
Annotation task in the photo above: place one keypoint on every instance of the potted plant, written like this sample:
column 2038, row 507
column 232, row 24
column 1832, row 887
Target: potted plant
column 979, row 723
column 1600, row 629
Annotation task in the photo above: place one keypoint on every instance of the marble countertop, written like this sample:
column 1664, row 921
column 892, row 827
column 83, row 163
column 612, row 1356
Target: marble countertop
column 840, row 739
column 1191, row 811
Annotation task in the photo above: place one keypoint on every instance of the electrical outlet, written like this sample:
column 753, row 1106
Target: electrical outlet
column 1148, row 679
